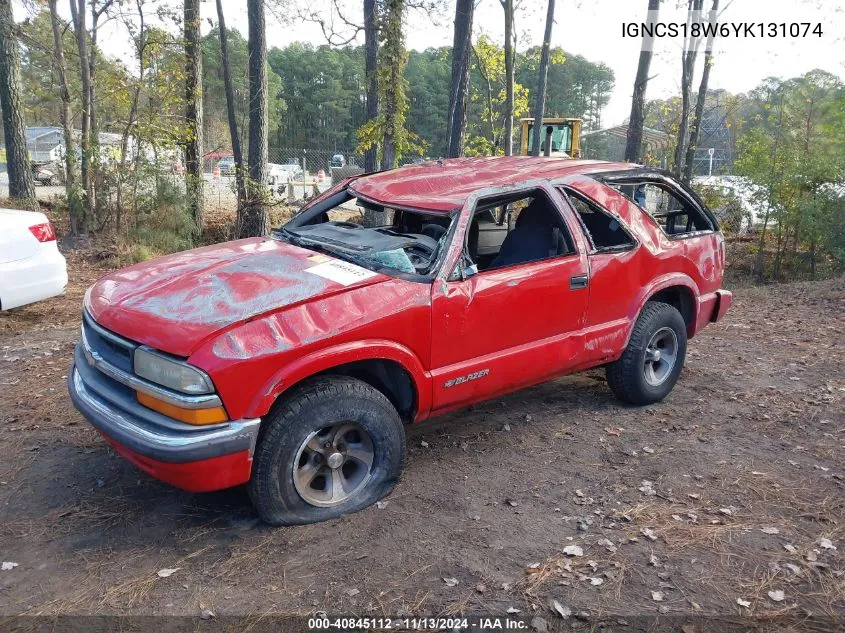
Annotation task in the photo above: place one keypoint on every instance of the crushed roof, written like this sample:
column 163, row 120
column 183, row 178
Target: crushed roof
column 444, row 185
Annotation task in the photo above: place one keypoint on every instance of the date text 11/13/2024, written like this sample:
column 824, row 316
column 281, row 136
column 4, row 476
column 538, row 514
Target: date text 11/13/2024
column 486, row 623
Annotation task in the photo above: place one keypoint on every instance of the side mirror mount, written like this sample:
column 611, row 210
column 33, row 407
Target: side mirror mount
column 469, row 271
column 463, row 270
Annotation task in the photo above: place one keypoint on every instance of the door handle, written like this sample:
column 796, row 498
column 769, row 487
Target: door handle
column 578, row 282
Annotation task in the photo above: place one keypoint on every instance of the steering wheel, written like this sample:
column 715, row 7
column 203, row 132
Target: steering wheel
column 422, row 251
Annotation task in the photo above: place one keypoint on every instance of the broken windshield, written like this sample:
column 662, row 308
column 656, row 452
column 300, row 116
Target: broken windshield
column 373, row 236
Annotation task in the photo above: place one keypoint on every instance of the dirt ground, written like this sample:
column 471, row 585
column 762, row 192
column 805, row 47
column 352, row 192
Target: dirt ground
column 726, row 499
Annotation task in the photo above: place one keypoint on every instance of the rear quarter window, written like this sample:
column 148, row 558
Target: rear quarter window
column 671, row 211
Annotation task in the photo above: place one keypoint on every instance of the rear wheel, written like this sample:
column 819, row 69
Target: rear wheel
column 335, row 445
column 654, row 358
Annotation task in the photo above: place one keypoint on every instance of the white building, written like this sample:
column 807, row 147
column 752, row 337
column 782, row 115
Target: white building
column 47, row 144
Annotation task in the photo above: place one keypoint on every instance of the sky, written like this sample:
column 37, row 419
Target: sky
column 593, row 29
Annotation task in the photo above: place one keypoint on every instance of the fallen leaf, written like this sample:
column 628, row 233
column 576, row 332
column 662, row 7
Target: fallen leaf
column 167, row 572
column 608, row 545
column 451, row 582
column 646, row 487
column 562, row 611
column 573, row 550
column 790, row 548
column 776, row 595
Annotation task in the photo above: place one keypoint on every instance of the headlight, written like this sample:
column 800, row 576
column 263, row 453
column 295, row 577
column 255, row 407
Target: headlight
column 171, row 373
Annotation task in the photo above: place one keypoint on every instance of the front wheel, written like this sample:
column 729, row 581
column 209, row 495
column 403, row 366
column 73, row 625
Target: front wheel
column 335, row 445
column 654, row 358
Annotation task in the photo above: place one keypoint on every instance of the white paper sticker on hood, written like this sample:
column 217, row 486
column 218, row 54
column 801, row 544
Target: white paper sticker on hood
column 341, row 272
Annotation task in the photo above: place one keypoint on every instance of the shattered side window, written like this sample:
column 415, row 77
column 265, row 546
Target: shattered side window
column 604, row 231
column 674, row 215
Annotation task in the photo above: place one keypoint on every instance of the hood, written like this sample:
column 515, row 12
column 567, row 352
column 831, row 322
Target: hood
column 175, row 303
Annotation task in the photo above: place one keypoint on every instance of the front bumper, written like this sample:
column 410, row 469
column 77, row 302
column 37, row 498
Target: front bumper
column 194, row 458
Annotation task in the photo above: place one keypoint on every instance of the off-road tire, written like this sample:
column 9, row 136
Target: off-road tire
column 315, row 404
column 626, row 376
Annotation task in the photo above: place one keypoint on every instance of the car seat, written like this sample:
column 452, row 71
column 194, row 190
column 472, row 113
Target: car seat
column 536, row 236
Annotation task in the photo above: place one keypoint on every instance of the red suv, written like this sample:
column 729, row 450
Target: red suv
column 293, row 362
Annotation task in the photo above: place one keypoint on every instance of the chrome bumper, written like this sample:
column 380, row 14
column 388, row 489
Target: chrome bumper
column 113, row 409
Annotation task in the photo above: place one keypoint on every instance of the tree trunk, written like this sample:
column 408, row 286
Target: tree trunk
column 74, row 199
column 507, row 5
column 21, row 186
column 687, row 70
column 193, row 112
column 633, row 147
column 253, row 220
column 370, row 75
column 460, row 77
column 392, row 89
column 130, row 123
column 96, row 167
column 234, row 132
column 540, row 104
column 760, row 260
column 78, row 11
column 695, row 126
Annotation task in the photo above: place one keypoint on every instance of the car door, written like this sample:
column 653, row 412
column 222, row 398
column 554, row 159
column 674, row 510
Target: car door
column 503, row 328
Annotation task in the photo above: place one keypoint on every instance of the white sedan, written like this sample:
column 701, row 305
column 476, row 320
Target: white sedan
column 31, row 266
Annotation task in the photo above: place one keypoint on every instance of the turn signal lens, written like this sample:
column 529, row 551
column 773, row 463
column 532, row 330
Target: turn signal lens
column 214, row 415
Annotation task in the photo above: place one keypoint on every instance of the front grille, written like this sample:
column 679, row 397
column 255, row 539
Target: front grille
column 114, row 349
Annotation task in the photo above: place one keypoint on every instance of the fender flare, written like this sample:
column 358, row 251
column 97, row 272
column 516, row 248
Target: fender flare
column 341, row 354
column 653, row 287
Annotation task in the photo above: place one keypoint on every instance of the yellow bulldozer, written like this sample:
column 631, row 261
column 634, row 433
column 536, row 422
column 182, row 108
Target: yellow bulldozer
column 561, row 137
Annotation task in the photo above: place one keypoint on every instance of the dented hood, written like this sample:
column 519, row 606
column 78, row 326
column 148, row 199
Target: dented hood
column 175, row 303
